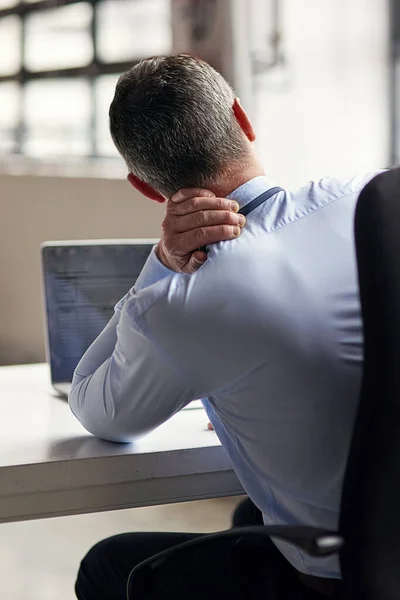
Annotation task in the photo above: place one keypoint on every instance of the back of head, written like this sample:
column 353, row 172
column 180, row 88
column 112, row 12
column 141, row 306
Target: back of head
column 172, row 121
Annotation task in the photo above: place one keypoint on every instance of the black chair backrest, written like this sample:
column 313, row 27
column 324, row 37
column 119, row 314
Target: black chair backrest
column 370, row 515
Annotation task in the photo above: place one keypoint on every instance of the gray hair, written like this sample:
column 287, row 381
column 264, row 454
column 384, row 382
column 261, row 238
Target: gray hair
column 172, row 121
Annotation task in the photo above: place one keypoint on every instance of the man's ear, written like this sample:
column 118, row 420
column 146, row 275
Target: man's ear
column 145, row 189
column 243, row 120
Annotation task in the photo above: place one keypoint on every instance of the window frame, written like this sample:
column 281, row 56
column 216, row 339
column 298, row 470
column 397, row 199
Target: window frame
column 90, row 72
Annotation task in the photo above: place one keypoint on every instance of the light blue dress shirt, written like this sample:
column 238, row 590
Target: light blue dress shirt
column 269, row 331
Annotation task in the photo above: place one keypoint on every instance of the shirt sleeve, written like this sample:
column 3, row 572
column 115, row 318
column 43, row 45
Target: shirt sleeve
column 153, row 271
column 124, row 386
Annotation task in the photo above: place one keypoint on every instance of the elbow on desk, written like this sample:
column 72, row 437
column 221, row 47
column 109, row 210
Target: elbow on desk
column 106, row 428
column 98, row 416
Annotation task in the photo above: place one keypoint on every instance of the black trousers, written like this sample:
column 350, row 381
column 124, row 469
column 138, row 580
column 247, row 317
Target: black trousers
column 227, row 570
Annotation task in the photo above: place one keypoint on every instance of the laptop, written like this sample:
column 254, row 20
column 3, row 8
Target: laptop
column 82, row 283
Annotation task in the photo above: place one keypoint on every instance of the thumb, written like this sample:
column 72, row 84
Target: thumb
column 197, row 259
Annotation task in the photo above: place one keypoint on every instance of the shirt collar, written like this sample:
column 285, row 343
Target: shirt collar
column 251, row 189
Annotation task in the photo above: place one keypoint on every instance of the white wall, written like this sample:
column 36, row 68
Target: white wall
column 332, row 120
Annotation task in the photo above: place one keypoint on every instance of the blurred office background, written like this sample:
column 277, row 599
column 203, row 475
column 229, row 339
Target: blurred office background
column 315, row 76
column 319, row 79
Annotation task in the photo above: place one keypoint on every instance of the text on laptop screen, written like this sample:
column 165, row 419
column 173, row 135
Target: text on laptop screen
column 82, row 284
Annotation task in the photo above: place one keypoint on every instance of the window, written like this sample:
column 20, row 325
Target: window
column 104, row 90
column 59, row 64
column 57, row 116
column 10, row 54
column 9, row 115
column 142, row 27
column 59, row 38
column 7, row 3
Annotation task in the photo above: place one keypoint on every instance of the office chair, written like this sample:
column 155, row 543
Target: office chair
column 369, row 530
column 370, row 509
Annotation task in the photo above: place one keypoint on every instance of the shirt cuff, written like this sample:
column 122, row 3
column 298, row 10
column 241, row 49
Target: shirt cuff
column 152, row 272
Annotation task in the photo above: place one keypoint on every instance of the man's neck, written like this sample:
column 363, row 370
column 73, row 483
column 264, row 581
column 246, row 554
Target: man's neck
column 231, row 181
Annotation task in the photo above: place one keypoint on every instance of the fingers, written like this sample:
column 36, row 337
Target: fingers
column 186, row 193
column 197, row 203
column 204, row 218
column 197, row 259
column 203, row 236
column 194, row 218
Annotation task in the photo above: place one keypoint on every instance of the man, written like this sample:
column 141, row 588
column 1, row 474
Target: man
column 268, row 329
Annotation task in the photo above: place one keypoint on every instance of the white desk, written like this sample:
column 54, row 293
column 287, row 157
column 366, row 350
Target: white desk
column 50, row 466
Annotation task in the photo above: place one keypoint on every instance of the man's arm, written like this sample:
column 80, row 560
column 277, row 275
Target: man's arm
column 132, row 391
column 123, row 386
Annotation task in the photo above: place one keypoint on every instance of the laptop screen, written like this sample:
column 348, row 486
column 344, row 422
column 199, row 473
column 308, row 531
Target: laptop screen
column 82, row 284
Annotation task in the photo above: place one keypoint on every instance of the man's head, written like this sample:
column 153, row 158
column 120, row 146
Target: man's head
column 176, row 122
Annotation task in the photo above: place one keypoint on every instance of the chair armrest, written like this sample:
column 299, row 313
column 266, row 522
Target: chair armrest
column 314, row 541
